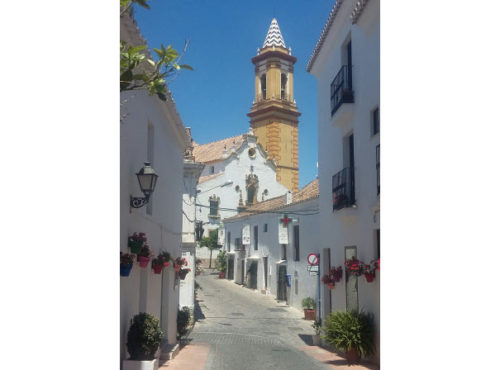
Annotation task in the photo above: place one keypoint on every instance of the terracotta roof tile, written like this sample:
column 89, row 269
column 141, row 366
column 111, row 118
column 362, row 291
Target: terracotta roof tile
column 209, row 177
column 211, row 152
column 309, row 191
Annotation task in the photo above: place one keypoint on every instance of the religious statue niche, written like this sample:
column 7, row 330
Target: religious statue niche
column 252, row 188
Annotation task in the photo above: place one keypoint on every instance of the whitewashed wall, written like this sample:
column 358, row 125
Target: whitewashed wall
column 142, row 290
column 303, row 285
column 349, row 226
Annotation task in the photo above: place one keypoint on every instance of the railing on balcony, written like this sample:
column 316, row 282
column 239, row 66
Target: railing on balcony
column 343, row 188
column 341, row 88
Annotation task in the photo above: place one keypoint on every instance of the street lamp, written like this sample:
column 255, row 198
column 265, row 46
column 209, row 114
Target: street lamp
column 147, row 178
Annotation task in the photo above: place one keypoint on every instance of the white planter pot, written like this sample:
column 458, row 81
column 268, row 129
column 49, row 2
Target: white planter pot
column 315, row 339
column 140, row 365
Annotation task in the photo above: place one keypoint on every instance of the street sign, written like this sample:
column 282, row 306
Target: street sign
column 312, row 259
column 313, row 270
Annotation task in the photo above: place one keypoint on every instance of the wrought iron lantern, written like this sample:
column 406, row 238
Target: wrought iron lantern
column 199, row 230
column 147, row 178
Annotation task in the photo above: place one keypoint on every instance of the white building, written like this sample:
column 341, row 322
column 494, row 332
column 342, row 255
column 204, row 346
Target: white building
column 150, row 130
column 192, row 171
column 265, row 261
column 346, row 63
column 238, row 173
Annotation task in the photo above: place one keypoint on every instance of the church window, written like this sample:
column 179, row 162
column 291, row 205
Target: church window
column 263, row 85
column 251, row 153
column 284, row 80
column 214, row 206
column 212, row 169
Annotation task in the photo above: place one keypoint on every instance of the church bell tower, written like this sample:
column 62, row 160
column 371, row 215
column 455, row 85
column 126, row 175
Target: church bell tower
column 274, row 116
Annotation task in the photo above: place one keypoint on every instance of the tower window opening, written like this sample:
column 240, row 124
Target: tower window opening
column 284, row 80
column 263, row 85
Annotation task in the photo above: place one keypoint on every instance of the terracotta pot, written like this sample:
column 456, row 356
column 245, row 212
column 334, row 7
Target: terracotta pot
column 309, row 314
column 351, row 355
column 157, row 268
column 143, row 261
column 331, row 286
column 369, row 277
column 222, row 274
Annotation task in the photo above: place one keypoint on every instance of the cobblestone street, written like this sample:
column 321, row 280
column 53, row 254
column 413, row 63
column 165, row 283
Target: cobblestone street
column 248, row 330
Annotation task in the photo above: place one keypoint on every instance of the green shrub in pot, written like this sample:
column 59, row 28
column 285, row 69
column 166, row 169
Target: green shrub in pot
column 351, row 332
column 308, row 303
column 144, row 337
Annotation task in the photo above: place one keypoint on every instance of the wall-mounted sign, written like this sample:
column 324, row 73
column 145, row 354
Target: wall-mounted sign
column 312, row 259
column 221, row 237
column 245, row 235
column 282, row 234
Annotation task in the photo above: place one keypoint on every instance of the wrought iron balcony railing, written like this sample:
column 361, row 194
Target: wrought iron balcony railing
column 341, row 88
column 343, row 188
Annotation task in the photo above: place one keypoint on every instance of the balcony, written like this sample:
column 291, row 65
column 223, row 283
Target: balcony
column 341, row 88
column 343, row 188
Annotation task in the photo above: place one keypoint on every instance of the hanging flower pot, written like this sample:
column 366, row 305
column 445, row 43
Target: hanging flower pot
column 136, row 241
column 143, row 261
column 182, row 273
column 330, row 285
column 125, row 269
column 157, row 268
column 126, row 262
column 166, row 264
column 369, row 276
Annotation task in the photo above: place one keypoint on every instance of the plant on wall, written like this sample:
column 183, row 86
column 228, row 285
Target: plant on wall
column 144, row 256
column 136, row 241
column 126, row 263
column 354, row 266
column 334, row 276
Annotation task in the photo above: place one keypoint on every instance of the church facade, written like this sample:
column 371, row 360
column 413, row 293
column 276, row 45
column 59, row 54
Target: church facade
column 243, row 170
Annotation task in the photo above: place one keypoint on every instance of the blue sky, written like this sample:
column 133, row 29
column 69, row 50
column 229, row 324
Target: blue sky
column 224, row 35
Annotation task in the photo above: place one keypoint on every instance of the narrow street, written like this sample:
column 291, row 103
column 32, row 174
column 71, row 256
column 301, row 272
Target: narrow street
column 248, row 330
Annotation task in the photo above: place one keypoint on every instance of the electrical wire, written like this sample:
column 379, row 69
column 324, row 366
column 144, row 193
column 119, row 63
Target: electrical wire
column 306, row 212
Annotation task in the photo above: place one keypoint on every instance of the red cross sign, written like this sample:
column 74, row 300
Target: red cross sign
column 285, row 220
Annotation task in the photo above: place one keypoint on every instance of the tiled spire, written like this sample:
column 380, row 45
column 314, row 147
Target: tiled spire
column 274, row 37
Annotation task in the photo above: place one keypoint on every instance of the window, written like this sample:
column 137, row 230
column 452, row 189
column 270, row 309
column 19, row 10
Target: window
column 237, row 243
column 255, row 237
column 296, row 242
column 214, row 206
column 375, row 121
column 229, row 241
column 283, row 252
column 265, row 228
column 283, row 86
column 212, row 169
column 351, row 282
column 377, row 152
column 263, row 85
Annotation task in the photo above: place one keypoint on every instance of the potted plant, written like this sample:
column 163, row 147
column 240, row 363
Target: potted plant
column 136, row 241
column 143, row 340
column 221, row 264
column 183, row 318
column 309, row 306
column 157, row 264
column 334, row 276
column 354, row 266
column 369, row 271
column 165, row 256
column 351, row 332
column 182, row 273
column 144, row 255
column 179, row 262
column 126, row 263
column 317, row 328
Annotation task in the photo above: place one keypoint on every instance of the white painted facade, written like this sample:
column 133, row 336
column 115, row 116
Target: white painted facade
column 233, row 171
column 192, row 171
column 302, row 284
column 150, row 130
column 354, row 225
